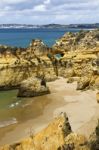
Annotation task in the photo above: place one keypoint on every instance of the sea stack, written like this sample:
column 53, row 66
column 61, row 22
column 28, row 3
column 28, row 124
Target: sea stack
column 33, row 87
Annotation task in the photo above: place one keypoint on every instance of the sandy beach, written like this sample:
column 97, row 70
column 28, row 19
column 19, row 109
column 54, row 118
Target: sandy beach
column 81, row 108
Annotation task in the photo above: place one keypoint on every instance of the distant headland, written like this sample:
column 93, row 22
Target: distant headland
column 48, row 26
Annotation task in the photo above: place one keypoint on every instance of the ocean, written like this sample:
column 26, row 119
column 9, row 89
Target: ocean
column 22, row 37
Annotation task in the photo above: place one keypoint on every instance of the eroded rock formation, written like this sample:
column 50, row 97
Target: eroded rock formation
column 50, row 138
column 18, row 64
column 33, row 87
column 57, row 135
column 80, row 57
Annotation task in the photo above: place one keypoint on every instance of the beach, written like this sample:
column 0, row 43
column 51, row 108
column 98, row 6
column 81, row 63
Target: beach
column 80, row 106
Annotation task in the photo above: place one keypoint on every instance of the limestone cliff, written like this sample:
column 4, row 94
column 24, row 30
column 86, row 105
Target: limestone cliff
column 17, row 64
column 80, row 57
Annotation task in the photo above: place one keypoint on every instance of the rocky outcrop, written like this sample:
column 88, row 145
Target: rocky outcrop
column 80, row 40
column 73, row 55
column 50, row 138
column 94, row 138
column 18, row 64
column 80, row 57
column 57, row 135
column 75, row 142
column 38, row 47
column 83, row 83
column 32, row 87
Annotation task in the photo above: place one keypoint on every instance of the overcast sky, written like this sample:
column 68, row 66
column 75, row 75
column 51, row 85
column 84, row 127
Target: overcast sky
column 49, row 11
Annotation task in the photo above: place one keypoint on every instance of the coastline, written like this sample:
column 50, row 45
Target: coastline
column 63, row 98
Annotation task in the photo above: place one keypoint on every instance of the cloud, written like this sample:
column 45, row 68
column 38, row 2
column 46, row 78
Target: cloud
column 39, row 8
column 47, row 2
column 12, row 1
column 49, row 11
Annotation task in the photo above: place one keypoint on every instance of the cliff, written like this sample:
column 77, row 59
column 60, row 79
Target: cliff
column 73, row 55
column 80, row 57
column 18, row 64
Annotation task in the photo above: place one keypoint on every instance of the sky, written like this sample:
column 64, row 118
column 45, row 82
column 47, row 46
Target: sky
column 49, row 11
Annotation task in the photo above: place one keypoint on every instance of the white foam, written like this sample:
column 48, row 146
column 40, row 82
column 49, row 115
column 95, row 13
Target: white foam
column 5, row 123
column 14, row 104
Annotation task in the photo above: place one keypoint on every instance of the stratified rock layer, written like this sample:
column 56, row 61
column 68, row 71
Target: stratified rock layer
column 73, row 55
column 80, row 57
column 17, row 64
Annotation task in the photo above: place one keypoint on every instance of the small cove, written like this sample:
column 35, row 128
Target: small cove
column 34, row 114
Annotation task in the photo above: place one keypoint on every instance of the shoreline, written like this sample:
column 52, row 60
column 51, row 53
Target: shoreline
column 63, row 98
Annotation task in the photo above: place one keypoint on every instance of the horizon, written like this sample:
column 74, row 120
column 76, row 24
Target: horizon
column 49, row 24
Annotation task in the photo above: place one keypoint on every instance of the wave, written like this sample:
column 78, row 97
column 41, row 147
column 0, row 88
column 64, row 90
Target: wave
column 6, row 123
column 14, row 104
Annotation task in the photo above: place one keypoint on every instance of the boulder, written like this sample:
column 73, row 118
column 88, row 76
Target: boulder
column 83, row 83
column 32, row 87
column 75, row 142
column 70, row 80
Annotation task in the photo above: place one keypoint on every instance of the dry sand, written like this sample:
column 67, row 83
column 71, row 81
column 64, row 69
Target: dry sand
column 81, row 108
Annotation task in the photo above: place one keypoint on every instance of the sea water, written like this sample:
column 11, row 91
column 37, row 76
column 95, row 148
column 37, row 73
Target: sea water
column 22, row 37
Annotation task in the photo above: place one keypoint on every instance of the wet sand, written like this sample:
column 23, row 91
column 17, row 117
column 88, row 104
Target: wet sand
column 81, row 108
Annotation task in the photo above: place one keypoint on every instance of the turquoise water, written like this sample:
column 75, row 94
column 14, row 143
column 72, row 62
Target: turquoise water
column 22, row 37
